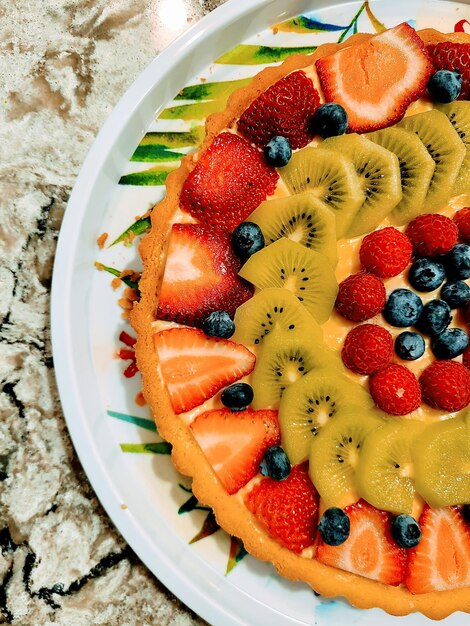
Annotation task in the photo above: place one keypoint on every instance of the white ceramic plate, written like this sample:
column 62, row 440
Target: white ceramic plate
column 137, row 484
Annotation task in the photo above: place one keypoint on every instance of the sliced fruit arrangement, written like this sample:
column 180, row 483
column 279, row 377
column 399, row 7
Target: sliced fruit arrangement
column 449, row 55
column 458, row 114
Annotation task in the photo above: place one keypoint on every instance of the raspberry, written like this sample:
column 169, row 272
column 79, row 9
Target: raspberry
column 360, row 297
column 367, row 348
column 453, row 56
column 432, row 234
column 385, row 252
column 395, row 390
column 446, row 385
column 466, row 358
column 462, row 219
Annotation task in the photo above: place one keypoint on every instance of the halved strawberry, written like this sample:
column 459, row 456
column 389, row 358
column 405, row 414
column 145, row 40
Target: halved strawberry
column 235, row 443
column 195, row 367
column 288, row 510
column 441, row 560
column 369, row 550
column 375, row 81
column 200, row 276
column 229, row 181
column 448, row 55
column 285, row 109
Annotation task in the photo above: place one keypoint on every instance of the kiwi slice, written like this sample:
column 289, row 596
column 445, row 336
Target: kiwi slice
column 307, row 274
column 335, row 454
column 384, row 475
column 416, row 170
column 302, row 218
column 273, row 309
column 445, row 147
column 379, row 174
column 309, row 404
column 458, row 114
column 329, row 176
column 283, row 359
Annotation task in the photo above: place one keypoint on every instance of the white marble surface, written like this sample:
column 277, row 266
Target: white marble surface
column 63, row 66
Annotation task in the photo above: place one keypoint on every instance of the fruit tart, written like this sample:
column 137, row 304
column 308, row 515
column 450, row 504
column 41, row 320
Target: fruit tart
column 302, row 329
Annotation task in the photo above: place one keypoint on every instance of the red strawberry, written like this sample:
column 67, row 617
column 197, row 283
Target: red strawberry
column 375, row 81
column 446, row 385
column 453, row 56
column 441, row 560
column 367, row 348
column 466, row 358
column 395, row 390
column 369, row 550
column 360, row 297
column 200, row 276
column 385, row 252
column 288, row 510
column 285, row 108
column 432, row 234
column 235, row 443
column 462, row 219
column 195, row 367
column 229, row 181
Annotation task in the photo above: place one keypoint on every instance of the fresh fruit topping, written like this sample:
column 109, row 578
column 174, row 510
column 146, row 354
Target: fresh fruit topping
column 403, row 308
column 446, row 385
column 288, row 510
column 334, row 526
column 435, row 318
column 458, row 114
column 462, row 219
column 360, row 297
column 275, row 463
column 306, row 273
column 406, row 531
column 200, row 276
column 235, row 443
column 284, row 109
column 229, row 181
column 451, row 343
column 426, row 274
column 247, row 238
column 277, row 151
column 458, row 262
column 456, row 293
column 409, row 346
column 369, row 550
column 445, row 86
column 367, row 348
column 376, row 80
column 466, row 358
column 237, row 397
column 432, row 235
column 385, row 252
column 195, row 367
column 455, row 57
column 218, row 324
column 329, row 120
column 395, row 390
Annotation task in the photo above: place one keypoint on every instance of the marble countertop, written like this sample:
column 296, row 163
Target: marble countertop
column 64, row 65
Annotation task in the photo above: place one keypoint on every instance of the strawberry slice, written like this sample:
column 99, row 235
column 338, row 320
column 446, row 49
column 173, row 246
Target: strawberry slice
column 453, row 56
column 200, row 276
column 235, row 443
column 229, row 181
column 285, row 108
column 441, row 560
column 288, row 510
column 369, row 550
column 195, row 367
column 376, row 80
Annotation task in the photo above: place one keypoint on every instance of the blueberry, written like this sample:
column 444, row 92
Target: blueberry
column 334, row 526
column 426, row 275
column 449, row 344
column 466, row 512
column 445, row 85
column 456, row 293
column 277, row 151
column 406, row 531
column 435, row 317
column 457, row 262
column 409, row 346
column 329, row 120
column 247, row 238
column 237, row 397
column 275, row 463
column 218, row 324
column 403, row 308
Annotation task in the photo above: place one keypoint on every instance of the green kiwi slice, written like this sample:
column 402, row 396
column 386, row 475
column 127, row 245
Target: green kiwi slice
column 458, row 114
column 307, row 274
